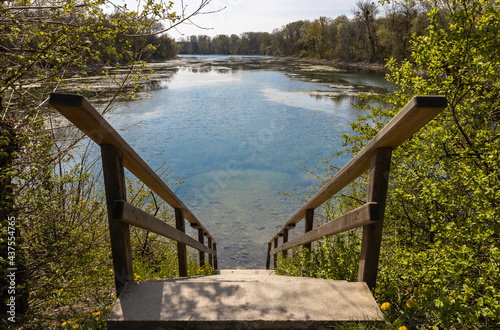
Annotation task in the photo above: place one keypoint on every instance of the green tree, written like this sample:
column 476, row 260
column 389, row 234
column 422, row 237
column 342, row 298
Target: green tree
column 221, row 44
column 441, row 256
column 233, row 42
column 396, row 29
column 314, row 38
column 348, row 36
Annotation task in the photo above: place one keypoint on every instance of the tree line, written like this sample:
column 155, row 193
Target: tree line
column 132, row 42
column 366, row 36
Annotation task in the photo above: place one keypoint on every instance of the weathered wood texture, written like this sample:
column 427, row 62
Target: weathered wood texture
column 114, row 182
column 275, row 259
column 83, row 115
column 359, row 217
column 216, row 264
column 414, row 115
column 201, row 239
column 132, row 215
column 180, row 225
column 210, row 260
column 308, row 226
column 268, row 257
column 372, row 234
column 285, row 239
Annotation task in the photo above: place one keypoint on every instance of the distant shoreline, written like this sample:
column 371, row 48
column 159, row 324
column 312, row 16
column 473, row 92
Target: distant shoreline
column 344, row 65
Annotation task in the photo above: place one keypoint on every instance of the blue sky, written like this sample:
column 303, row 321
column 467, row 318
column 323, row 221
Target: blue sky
column 257, row 15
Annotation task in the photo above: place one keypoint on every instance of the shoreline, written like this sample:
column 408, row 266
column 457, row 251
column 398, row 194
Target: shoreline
column 343, row 65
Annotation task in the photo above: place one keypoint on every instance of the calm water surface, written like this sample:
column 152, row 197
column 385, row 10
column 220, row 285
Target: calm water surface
column 240, row 130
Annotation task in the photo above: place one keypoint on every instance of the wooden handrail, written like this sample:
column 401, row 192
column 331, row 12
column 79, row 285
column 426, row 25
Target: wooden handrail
column 134, row 216
column 414, row 115
column 83, row 115
column 376, row 156
column 359, row 217
column 116, row 155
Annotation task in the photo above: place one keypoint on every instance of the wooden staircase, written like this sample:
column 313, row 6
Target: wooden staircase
column 242, row 299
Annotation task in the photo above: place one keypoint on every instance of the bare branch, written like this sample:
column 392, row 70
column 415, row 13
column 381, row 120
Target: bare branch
column 183, row 18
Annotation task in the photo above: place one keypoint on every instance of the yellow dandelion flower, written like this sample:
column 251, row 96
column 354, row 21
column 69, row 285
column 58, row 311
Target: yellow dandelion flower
column 403, row 328
column 61, row 290
column 65, row 323
column 410, row 303
column 96, row 313
column 76, row 326
column 385, row 306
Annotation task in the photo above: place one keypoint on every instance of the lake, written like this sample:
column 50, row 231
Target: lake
column 240, row 131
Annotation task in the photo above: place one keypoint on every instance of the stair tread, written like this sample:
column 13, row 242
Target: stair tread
column 242, row 296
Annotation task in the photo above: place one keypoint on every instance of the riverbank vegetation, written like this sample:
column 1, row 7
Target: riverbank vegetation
column 368, row 36
column 440, row 262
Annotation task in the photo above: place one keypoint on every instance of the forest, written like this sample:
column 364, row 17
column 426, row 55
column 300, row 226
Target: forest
column 373, row 33
column 440, row 262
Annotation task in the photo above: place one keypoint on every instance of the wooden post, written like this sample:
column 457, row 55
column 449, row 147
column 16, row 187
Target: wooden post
column 214, row 247
column 210, row 259
column 114, row 181
column 372, row 234
column 201, row 239
column 285, row 239
column 268, row 259
column 275, row 259
column 181, row 247
column 308, row 226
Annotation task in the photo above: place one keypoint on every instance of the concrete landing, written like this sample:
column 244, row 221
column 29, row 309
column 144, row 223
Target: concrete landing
column 242, row 299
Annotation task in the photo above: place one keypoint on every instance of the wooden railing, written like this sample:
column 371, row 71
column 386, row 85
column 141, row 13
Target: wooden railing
column 117, row 154
column 376, row 157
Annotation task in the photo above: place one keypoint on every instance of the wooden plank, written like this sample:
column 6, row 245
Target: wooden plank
column 359, row 217
column 210, row 260
column 414, row 115
column 83, row 115
column 132, row 215
column 181, row 247
column 115, row 187
column 372, row 234
column 309, row 225
column 201, row 240
column 275, row 259
column 214, row 247
column 268, row 257
column 285, row 239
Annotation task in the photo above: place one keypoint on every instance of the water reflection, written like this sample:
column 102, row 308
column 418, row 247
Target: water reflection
column 239, row 130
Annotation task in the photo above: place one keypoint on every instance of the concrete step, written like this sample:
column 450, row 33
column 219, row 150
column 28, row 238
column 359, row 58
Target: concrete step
column 242, row 299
